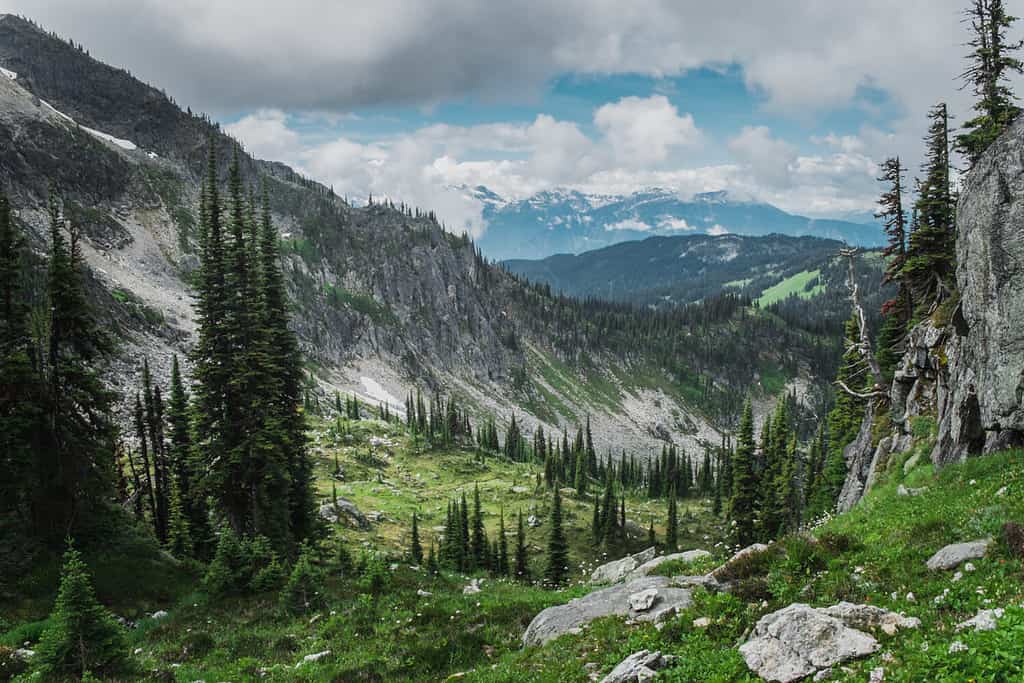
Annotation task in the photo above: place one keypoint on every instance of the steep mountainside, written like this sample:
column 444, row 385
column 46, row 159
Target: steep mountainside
column 385, row 299
column 568, row 221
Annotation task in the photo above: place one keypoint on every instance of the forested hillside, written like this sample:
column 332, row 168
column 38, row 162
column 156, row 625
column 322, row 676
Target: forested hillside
column 385, row 298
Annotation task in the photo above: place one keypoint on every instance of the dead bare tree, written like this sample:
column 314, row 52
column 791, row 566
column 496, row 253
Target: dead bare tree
column 862, row 345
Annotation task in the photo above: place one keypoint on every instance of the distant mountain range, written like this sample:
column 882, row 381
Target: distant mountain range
column 571, row 222
column 678, row 269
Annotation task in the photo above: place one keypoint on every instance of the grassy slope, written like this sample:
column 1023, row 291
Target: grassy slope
column 796, row 284
column 874, row 554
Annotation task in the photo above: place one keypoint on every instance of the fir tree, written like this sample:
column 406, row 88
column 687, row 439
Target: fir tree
column 479, row 539
column 303, row 591
column 928, row 268
column 466, row 555
column 652, row 539
column 179, row 537
column 180, row 453
column 558, row 550
column 745, row 500
column 432, row 559
column 672, row 528
column 415, row 548
column 992, row 65
column 74, row 465
column 502, row 565
column 522, row 571
column 81, row 635
column 22, row 394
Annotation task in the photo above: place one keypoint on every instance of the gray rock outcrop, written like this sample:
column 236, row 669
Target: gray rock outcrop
column 344, row 510
column 618, row 570
column 649, row 566
column 799, row 640
column 981, row 407
column 611, row 601
column 955, row 554
column 984, row 620
column 639, row 667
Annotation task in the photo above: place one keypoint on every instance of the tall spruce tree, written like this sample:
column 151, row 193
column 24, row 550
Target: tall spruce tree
column 991, row 65
column 743, row 507
column 185, row 475
column 899, row 310
column 928, row 269
column 74, row 468
column 415, row 547
column 478, row 539
column 503, row 565
column 248, row 377
column 672, row 526
column 22, row 394
column 522, row 570
column 558, row 549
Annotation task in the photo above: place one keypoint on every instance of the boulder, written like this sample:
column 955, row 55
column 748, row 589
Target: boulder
column 315, row 657
column 611, row 601
column 643, row 601
column 618, row 570
column 472, row 588
column 984, row 620
column 705, row 581
column 902, row 490
column 953, row 555
column 650, row 565
column 982, row 404
column 798, row 641
column 870, row 617
column 344, row 510
column 639, row 667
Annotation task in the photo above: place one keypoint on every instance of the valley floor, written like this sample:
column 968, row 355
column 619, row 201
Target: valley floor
column 394, row 622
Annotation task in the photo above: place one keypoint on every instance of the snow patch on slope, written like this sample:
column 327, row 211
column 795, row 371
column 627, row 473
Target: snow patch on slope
column 7, row 72
column 106, row 137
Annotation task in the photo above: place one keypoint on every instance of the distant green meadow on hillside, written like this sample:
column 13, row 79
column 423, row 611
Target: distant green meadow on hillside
column 796, row 284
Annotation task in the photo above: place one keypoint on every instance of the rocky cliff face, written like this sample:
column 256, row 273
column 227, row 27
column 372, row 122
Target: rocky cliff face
column 982, row 404
column 967, row 373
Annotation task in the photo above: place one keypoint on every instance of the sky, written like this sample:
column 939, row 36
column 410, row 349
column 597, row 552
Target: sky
column 793, row 102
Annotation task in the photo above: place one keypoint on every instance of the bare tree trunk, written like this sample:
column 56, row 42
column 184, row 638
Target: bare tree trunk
column 863, row 344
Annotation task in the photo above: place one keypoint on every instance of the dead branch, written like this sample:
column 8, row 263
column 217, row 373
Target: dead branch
column 863, row 343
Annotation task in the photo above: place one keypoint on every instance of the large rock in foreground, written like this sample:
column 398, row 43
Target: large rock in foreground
column 612, row 601
column 982, row 405
column 798, row 641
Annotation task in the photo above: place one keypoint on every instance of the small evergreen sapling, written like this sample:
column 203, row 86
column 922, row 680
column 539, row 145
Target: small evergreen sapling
column 303, row 591
column 83, row 635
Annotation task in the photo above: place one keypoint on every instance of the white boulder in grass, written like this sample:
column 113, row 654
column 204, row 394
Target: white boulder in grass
column 315, row 657
column 619, row 570
column 955, row 554
column 984, row 620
